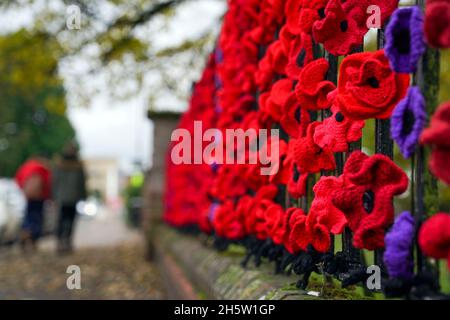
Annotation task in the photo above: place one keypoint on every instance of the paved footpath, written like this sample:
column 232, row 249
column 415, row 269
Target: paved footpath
column 110, row 256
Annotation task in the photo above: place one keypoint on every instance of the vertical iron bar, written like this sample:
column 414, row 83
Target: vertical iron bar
column 384, row 145
column 332, row 76
column 347, row 237
column 426, row 189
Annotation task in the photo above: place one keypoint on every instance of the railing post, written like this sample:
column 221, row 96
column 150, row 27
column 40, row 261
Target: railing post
column 383, row 145
column 347, row 237
column 425, row 195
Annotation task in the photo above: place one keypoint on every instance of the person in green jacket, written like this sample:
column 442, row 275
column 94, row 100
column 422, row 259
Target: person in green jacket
column 69, row 187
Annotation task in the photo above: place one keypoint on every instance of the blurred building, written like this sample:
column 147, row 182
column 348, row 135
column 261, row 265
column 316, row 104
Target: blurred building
column 103, row 178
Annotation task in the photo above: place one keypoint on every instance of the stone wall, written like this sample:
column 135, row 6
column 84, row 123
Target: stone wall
column 163, row 123
column 219, row 275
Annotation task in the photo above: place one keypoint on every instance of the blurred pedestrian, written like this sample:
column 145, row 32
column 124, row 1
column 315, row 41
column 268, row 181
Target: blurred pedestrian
column 69, row 187
column 34, row 178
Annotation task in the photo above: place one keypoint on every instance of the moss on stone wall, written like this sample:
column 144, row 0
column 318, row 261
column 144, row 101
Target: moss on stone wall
column 219, row 275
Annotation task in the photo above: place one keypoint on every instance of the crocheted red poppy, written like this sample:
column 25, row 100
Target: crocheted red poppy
column 273, row 63
column 297, row 182
column 271, row 14
column 367, row 197
column 324, row 218
column 337, row 131
column 368, row 88
column 434, row 237
column 312, row 88
column 301, row 14
column 275, row 223
column 280, row 173
column 293, row 10
column 437, row 136
column 345, row 23
column 244, row 208
column 311, row 11
column 299, row 55
column 295, row 119
column 299, row 237
column 253, row 177
column 292, row 216
column 305, row 157
column 340, row 30
column 308, row 156
column 255, row 209
column 228, row 182
column 274, row 102
column 437, row 23
column 287, row 38
column 228, row 223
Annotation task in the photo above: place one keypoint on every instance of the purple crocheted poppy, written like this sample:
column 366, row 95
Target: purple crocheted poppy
column 212, row 211
column 399, row 240
column 405, row 39
column 408, row 120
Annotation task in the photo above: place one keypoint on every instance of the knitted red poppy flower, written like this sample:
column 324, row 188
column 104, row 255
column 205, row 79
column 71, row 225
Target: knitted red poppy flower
column 368, row 88
column 324, row 218
column 337, row 131
column 244, row 208
column 345, row 23
column 299, row 55
column 297, row 182
column 367, row 197
column 437, row 23
column 304, row 157
column 269, row 18
column 287, row 38
column 274, row 102
column 229, row 182
column 295, row 119
column 437, row 136
column 228, row 223
column 280, row 172
column 272, row 64
column 434, row 237
column 308, row 156
column 275, row 223
column 253, row 177
column 292, row 216
column 293, row 11
column 255, row 209
column 312, row 88
column 301, row 14
column 299, row 237
column 339, row 30
column 311, row 11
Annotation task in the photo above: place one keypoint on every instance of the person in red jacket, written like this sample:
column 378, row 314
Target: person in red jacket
column 34, row 178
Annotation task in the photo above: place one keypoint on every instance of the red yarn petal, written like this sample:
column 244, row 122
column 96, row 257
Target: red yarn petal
column 313, row 88
column 437, row 23
column 434, row 237
column 300, row 54
column 295, row 119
